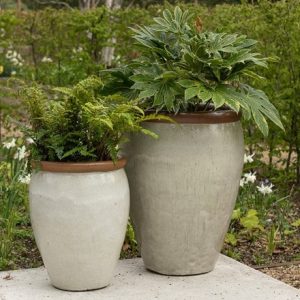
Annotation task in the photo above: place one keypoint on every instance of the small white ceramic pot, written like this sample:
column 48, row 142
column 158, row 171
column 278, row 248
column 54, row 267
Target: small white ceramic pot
column 183, row 189
column 79, row 214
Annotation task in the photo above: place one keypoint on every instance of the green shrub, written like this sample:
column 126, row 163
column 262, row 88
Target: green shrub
column 182, row 68
column 75, row 124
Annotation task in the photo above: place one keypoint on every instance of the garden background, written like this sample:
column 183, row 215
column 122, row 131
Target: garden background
column 60, row 43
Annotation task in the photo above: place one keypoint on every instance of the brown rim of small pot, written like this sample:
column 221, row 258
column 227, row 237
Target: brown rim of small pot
column 80, row 167
column 209, row 117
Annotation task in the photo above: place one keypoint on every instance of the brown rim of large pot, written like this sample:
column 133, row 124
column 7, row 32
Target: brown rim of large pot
column 80, row 167
column 204, row 117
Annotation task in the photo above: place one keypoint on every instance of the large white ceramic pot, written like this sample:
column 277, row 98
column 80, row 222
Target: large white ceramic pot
column 79, row 214
column 183, row 189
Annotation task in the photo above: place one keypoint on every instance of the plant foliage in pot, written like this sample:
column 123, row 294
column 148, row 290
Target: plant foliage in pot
column 184, row 184
column 79, row 194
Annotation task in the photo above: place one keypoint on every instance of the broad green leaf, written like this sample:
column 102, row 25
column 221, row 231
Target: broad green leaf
column 158, row 99
column 260, row 121
column 260, row 101
column 218, row 99
column 161, row 22
column 252, row 212
column 296, row 223
column 251, row 221
column 169, row 97
column 204, row 94
column 147, row 93
column 141, row 78
column 167, row 75
column 191, row 92
column 168, row 15
column 288, row 232
column 231, row 239
column 187, row 83
column 178, row 14
column 236, row 214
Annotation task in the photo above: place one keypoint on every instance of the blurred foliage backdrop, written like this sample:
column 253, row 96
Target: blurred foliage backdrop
column 41, row 4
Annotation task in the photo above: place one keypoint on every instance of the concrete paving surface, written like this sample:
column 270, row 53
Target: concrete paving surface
column 230, row 280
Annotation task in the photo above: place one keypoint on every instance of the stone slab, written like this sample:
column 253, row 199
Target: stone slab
column 229, row 281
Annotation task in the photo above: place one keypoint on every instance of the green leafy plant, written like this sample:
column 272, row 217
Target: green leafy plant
column 231, row 239
column 251, row 221
column 262, row 219
column 296, row 223
column 271, row 237
column 181, row 68
column 130, row 247
column 78, row 125
column 13, row 191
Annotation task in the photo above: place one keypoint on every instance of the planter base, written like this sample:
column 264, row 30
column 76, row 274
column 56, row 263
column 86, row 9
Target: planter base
column 180, row 274
column 199, row 266
column 80, row 290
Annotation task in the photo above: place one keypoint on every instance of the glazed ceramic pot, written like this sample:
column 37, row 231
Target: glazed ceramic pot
column 79, row 214
column 183, row 189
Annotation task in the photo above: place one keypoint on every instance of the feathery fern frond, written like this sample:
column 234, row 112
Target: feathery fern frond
column 80, row 125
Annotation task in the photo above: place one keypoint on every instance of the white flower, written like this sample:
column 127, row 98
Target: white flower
column 2, row 32
column 10, row 144
column 9, row 54
column 265, row 189
column 21, row 153
column 13, row 73
column 14, row 61
column 117, row 58
column 248, row 158
column 46, row 59
column 25, row 179
column 14, row 57
column 30, row 141
column 242, row 182
column 89, row 34
column 78, row 50
column 250, row 177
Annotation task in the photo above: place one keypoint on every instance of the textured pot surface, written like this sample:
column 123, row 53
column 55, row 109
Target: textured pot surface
column 79, row 222
column 183, row 190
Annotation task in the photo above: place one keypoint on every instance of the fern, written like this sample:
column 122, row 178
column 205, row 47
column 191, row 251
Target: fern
column 79, row 125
